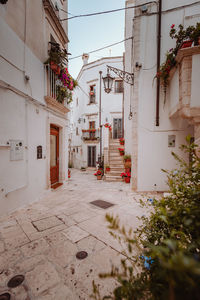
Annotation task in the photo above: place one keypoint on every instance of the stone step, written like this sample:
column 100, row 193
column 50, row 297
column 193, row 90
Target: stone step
column 116, row 163
column 113, row 178
column 114, row 159
column 114, row 173
column 117, row 168
column 116, row 145
column 116, row 154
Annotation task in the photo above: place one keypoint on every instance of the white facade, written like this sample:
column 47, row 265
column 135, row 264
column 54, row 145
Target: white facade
column 84, row 112
column 149, row 143
column 25, row 115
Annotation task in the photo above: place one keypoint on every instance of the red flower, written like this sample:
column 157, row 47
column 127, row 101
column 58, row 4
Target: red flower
column 172, row 26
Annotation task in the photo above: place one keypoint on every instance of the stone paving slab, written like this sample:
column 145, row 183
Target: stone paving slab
column 41, row 240
column 47, row 223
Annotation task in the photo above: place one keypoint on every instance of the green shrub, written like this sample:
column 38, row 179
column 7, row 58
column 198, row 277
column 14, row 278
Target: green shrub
column 167, row 243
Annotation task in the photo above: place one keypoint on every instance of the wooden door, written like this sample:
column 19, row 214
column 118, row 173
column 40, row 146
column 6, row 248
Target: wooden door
column 117, row 128
column 54, row 154
column 91, row 156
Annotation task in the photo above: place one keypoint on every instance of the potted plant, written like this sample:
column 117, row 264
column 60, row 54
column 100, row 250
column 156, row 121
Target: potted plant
column 126, row 176
column 121, row 151
column 196, row 35
column 99, row 174
column 121, row 141
column 57, row 56
column 107, row 167
column 127, row 157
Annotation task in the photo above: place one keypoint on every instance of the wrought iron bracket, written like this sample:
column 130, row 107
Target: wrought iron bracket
column 126, row 76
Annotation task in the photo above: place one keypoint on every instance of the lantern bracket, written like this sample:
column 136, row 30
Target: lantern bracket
column 126, row 76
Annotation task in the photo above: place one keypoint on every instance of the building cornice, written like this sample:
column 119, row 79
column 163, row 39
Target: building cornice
column 54, row 21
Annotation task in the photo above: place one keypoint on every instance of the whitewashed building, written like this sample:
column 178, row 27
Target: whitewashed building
column 159, row 124
column 33, row 125
column 85, row 141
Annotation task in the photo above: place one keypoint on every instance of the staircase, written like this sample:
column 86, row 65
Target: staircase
column 115, row 162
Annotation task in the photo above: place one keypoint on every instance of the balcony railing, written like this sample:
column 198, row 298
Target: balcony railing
column 90, row 134
column 52, row 82
column 55, row 95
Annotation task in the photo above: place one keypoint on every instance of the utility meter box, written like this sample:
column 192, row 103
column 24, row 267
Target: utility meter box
column 16, row 150
column 171, row 140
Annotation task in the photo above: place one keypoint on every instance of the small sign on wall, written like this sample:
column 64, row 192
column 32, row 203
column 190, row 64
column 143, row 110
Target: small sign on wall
column 16, row 150
column 39, row 152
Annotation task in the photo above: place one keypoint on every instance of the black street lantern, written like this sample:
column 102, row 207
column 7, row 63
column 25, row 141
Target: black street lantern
column 108, row 82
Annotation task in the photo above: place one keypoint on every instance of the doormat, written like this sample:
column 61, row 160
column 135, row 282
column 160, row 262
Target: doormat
column 102, row 204
column 56, row 185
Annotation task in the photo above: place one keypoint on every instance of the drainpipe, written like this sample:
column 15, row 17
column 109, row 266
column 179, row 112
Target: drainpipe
column 158, row 62
column 123, row 99
column 100, row 126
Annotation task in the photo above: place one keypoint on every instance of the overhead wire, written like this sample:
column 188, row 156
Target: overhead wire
column 99, row 49
column 109, row 11
column 130, row 7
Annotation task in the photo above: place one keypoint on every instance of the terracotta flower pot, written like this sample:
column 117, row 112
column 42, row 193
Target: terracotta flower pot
column 53, row 66
column 121, row 153
column 186, row 44
column 98, row 177
column 121, row 142
column 127, row 179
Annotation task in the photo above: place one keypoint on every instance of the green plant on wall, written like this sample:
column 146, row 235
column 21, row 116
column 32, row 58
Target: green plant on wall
column 166, row 247
column 180, row 35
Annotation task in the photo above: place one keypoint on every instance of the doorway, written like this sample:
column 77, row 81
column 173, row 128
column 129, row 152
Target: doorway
column 54, row 154
column 117, row 128
column 91, row 156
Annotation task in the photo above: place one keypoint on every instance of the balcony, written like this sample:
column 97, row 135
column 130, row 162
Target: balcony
column 55, row 92
column 90, row 135
column 184, row 88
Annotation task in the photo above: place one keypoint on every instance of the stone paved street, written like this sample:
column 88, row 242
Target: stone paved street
column 41, row 240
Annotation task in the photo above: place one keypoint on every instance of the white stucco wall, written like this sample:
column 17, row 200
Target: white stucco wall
column 195, row 92
column 152, row 143
column 24, row 116
column 111, row 106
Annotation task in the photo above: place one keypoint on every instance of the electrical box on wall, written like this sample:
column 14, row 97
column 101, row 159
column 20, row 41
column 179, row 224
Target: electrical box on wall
column 171, row 140
column 16, row 150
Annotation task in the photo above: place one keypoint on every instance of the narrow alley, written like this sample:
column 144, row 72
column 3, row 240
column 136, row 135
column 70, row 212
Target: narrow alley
column 40, row 241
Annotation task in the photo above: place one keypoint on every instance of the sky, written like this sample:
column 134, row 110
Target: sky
column 90, row 33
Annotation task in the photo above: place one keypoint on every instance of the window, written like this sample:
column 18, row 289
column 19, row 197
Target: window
column 92, row 132
column 92, row 93
column 77, row 149
column 119, row 86
column 76, row 130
